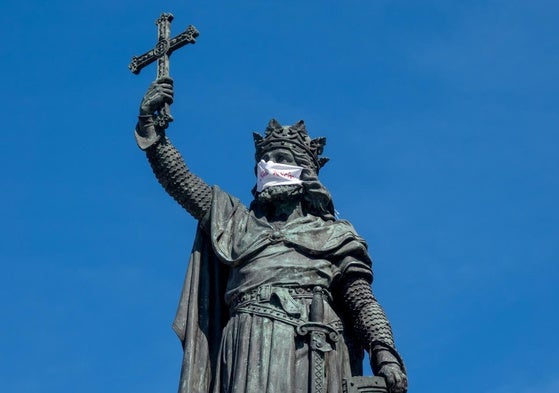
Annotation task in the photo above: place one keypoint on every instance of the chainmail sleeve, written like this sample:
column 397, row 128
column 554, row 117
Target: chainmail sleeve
column 370, row 323
column 191, row 192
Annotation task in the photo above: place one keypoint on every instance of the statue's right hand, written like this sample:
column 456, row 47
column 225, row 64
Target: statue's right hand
column 158, row 94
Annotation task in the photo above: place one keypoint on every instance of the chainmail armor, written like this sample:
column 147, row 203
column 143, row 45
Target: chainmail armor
column 191, row 192
column 369, row 320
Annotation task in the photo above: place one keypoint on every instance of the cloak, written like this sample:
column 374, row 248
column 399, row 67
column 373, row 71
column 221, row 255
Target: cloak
column 201, row 316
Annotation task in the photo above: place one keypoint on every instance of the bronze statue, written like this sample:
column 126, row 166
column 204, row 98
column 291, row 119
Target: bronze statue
column 277, row 296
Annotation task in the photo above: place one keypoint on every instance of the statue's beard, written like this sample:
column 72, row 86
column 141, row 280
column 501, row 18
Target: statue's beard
column 278, row 195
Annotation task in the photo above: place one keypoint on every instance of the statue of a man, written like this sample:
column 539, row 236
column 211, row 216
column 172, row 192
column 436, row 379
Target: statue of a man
column 278, row 295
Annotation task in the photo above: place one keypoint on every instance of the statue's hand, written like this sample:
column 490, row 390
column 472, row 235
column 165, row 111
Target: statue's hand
column 158, row 94
column 396, row 379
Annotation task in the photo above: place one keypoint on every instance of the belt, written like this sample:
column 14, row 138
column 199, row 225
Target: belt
column 265, row 292
column 280, row 315
column 257, row 302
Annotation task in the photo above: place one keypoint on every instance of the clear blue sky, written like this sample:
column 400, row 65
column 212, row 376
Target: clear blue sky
column 443, row 134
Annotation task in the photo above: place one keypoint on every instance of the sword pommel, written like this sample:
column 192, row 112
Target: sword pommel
column 317, row 305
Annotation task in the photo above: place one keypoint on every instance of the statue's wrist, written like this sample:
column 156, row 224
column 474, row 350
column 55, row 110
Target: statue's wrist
column 145, row 112
column 146, row 120
column 146, row 133
column 380, row 356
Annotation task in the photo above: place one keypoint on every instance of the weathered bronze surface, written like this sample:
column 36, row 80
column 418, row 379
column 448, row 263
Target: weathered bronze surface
column 277, row 296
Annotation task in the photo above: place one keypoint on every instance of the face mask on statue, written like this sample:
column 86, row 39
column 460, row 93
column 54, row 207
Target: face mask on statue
column 271, row 174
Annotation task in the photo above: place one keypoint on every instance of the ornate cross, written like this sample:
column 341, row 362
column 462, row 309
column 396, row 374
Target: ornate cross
column 163, row 49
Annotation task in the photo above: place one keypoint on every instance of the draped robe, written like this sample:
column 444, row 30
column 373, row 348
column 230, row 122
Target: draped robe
column 236, row 251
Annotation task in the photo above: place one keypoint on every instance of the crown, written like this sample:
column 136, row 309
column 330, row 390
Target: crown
column 294, row 138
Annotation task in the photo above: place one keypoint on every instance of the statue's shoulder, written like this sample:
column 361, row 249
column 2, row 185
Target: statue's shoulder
column 343, row 226
column 223, row 200
column 330, row 234
column 225, row 211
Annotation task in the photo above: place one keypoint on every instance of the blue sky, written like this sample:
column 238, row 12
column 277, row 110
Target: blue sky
column 442, row 127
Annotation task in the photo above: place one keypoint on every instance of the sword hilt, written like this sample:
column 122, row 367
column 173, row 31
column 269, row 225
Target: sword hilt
column 316, row 327
column 318, row 344
column 317, row 305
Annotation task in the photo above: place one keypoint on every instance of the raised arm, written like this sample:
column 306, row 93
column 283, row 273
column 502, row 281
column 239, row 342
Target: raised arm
column 191, row 192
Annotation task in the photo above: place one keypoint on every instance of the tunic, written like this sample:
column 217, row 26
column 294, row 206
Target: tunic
column 256, row 351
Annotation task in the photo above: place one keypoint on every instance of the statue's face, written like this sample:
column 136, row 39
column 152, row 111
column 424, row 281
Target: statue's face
column 280, row 156
column 280, row 193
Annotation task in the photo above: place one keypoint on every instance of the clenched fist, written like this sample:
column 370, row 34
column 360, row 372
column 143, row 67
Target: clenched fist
column 395, row 378
column 158, row 94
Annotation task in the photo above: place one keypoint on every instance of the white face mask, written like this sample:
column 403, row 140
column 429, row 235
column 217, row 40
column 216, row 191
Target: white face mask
column 271, row 174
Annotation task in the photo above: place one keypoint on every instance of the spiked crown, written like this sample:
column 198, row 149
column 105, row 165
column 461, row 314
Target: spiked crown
column 294, row 138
